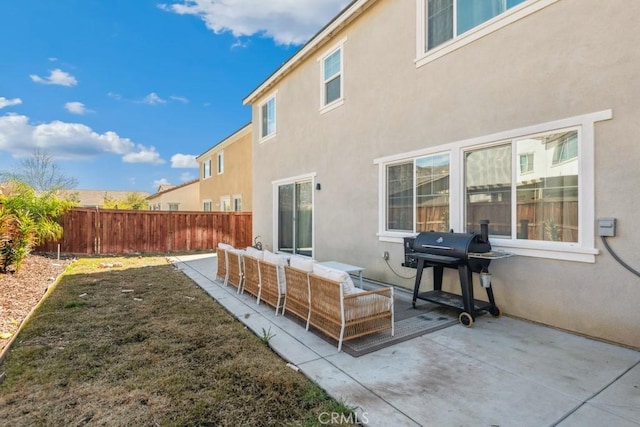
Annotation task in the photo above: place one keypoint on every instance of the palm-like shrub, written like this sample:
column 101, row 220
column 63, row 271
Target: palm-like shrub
column 27, row 218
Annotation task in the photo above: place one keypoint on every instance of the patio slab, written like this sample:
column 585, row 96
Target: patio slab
column 500, row 372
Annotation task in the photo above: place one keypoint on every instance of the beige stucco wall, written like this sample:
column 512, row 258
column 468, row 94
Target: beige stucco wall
column 237, row 175
column 572, row 58
column 186, row 196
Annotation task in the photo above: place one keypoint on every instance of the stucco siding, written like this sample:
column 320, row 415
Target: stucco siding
column 572, row 58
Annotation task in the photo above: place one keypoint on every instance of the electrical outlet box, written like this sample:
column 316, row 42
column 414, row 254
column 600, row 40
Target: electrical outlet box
column 607, row 227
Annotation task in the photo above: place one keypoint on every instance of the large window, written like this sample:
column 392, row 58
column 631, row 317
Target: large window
column 534, row 184
column 447, row 19
column 418, row 194
column 268, row 118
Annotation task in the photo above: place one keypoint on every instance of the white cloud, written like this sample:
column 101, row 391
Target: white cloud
column 56, row 77
column 183, row 161
column 153, row 99
column 286, row 21
column 68, row 140
column 179, row 99
column 115, row 96
column 187, row 176
column 4, row 102
column 158, row 182
column 143, row 155
column 77, row 108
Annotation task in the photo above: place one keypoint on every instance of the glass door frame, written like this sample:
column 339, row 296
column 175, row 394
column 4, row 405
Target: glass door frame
column 276, row 191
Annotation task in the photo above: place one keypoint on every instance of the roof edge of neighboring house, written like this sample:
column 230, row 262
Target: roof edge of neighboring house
column 184, row 184
column 237, row 133
column 343, row 18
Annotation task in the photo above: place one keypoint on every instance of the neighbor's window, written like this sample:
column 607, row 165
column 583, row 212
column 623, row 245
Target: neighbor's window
column 526, row 162
column 206, row 168
column 418, row 194
column 447, row 19
column 174, row 206
column 220, row 163
column 332, row 77
column 268, row 117
column 237, row 203
column 206, row 206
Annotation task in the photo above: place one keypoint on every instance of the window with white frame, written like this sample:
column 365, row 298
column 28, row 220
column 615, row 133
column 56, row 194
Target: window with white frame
column 206, row 169
column 225, row 203
column 446, row 25
column 535, row 185
column 332, row 77
column 174, row 206
column 268, row 117
column 220, row 162
column 206, row 206
column 447, row 19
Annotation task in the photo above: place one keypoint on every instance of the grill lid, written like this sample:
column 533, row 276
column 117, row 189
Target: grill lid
column 450, row 244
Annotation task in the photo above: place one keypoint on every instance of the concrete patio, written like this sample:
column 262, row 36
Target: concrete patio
column 501, row 372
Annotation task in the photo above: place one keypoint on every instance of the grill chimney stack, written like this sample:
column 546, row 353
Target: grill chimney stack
column 484, row 230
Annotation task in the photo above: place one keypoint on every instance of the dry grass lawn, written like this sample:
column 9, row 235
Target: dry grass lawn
column 143, row 345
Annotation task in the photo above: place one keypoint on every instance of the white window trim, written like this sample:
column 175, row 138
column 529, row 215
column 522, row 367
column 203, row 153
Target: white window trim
column 274, row 191
column 583, row 251
column 272, row 135
column 233, row 201
column 207, row 201
column 224, row 199
column 204, row 176
column 325, row 108
column 220, row 163
column 424, row 56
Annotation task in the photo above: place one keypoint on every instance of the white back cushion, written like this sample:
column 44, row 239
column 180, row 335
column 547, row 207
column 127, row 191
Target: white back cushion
column 280, row 261
column 337, row 276
column 255, row 253
column 301, row 263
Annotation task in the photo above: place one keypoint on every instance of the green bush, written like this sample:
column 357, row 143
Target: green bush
column 27, row 218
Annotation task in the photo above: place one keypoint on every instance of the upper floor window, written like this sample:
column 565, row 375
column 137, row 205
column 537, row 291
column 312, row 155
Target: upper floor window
column 220, row 163
column 206, row 168
column 332, row 77
column 446, row 19
column 268, row 117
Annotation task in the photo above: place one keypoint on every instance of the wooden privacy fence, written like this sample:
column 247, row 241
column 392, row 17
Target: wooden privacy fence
column 110, row 231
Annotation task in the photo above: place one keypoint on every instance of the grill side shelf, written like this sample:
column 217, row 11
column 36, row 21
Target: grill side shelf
column 490, row 255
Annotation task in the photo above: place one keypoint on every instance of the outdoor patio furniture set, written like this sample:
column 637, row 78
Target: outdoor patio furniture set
column 323, row 297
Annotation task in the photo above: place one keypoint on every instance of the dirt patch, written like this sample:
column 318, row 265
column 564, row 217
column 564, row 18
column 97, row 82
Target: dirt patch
column 21, row 291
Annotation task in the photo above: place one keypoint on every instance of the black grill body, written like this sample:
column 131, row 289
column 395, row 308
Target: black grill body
column 461, row 251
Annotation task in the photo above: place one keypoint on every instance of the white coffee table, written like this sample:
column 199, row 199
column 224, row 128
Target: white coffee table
column 347, row 268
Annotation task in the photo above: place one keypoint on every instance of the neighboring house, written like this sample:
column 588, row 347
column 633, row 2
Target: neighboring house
column 403, row 116
column 225, row 174
column 183, row 197
column 96, row 198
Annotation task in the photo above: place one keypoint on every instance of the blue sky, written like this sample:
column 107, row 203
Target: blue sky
column 123, row 94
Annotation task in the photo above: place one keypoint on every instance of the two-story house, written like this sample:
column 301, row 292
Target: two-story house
column 404, row 116
column 183, row 197
column 226, row 174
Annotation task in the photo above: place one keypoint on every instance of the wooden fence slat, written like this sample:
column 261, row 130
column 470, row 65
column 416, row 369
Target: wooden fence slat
column 109, row 231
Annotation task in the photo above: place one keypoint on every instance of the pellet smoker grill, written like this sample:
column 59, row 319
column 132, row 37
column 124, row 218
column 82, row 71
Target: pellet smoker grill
column 468, row 253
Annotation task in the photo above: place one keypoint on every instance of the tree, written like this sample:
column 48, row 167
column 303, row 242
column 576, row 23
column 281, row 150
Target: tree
column 133, row 201
column 41, row 173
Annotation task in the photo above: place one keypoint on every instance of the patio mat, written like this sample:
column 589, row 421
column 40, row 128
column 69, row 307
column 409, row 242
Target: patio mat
column 422, row 320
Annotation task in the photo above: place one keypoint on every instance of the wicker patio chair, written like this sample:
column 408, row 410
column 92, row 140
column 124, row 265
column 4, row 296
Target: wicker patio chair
column 344, row 317
column 251, row 275
column 234, row 269
column 272, row 280
column 222, row 274
column 297, row 293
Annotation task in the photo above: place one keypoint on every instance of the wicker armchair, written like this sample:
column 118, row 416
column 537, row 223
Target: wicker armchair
column 234, row 269
column 344, row 317
column 272, row 284
column 221, row 273
column 251, row 275
column 297, row 293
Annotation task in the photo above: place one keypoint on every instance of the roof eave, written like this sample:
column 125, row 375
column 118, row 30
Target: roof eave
column 346, row 16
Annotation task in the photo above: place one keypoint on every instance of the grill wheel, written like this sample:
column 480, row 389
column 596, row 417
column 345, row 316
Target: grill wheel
column 466, row 319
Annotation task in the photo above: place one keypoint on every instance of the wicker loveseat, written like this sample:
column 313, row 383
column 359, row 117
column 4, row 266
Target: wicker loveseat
column 351, row 314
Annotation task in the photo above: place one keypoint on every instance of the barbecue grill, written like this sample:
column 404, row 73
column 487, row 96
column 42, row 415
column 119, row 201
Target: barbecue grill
column 468, row 253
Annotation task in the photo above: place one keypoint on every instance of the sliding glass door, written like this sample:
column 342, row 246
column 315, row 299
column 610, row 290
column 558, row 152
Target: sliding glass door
column 295, row 218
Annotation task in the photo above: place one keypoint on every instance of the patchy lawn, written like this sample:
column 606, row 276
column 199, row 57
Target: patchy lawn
column 141, row 344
